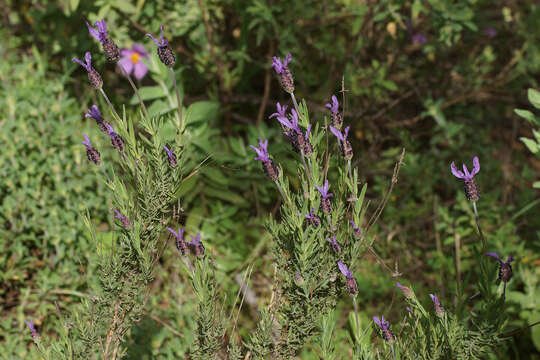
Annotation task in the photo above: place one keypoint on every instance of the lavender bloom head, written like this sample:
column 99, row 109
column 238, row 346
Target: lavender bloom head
column 471, row 189
column 109, row 47
column 93, row 75
column 181, row 244
column 280, row 111
column 298, row 277
column 94, row 113
column 292, row 123
column 33, row 331
column 196, row 245
column 269, row 167
column 406, row 291
column 439, row 310
column 505, row 269
column 91, row 153
column 285, row 76
column 352, row 285
column 313, row 219
column 356, row 230
column 344, row 144
column 336, row 118
column 131, row 61
column 116, row 140
column 125, row 221
column 171, row 156
column 325, row 197
column 388, row 336
column 165, row 53
column 341, row 137
column 334, row 244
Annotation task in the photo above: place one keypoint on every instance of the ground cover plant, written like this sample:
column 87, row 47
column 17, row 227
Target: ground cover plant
column 278, row 276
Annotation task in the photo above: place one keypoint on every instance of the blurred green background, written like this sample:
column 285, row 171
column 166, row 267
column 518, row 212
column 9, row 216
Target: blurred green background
column 439, row 77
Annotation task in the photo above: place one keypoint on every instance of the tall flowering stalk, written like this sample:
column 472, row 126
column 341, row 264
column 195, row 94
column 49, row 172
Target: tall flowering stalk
column 505, row 269
column 100, row 33
column 387, row 334
column 168, row 59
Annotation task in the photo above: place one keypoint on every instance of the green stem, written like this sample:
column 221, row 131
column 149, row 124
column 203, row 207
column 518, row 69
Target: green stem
column 281, row 192
column 109, row 103
column 478, row 226
column 134, row 87
column 178, row 101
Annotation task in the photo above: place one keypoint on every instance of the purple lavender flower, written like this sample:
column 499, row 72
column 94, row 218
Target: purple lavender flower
column 268, row 164
column 181, row 244
column 285, row 76
column 490, row 32
column 91, row 153
column 33, row 331
column 281, row 111
column 408, row 293
column 196, row 246
column 164, row 52
column 352, row 285
column 116, row 140
column 334, row 244
column 94, row 113
column 123, row 219
column 171, row 156
column 298, row 277
column 356, row 230
column 344, row 144
column 387, row 334
column 471, row 189
column 505, row 269
column 131, row 61
column 93, row 75
column 325, row 197
column 313, row 219
column 419, row 39
column 335, row 117
column 439, row 310
column 100, row 34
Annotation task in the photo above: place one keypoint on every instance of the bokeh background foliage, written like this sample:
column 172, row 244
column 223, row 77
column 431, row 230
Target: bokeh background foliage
column 441, row 78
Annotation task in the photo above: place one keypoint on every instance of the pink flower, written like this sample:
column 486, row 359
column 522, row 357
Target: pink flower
column 131, row 60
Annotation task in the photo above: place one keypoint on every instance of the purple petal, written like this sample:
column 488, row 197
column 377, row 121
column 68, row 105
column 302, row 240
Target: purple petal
column 140, row 70
column 344, row 270
column 172, row 231
column 155, row 40
column 434, row 298
column 346, row 132
column 456, row 172
column 80, row 63
column 92, row 31
column 510, row 259
column 88, row 59
column 466, row 171
column 377, row 321
column 86, row 141
column 102, row 26
column 337, row 133
column 476, row 166
column 126, row 64
column 494, row 255
column 140, row 49
column 307, row 131
column 288, row 59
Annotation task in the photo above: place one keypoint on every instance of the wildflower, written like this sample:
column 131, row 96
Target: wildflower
column 131, row 61
column 171, row 156
column 408, row 293
column 334, row 244
column 123, row 219
column 109, row 47
column 116, row 140
column 280, row 111
column 505, row 269
column 308, row 148
column 356, row 230
column 387, row 334
column 344, row 144
column 91, row 153
column 268, row 164
column 352, row 285
column 181, row 244
column 313, row 219
column 196, row 245
column 93, row 75
column 285, row 76
column 335, row 117
column 164, row 52
column 94, row 113
column 439, row 310
column 325, row 197
column 471, row 189
column 419, row 39
column 33, row 331
column 298, row 277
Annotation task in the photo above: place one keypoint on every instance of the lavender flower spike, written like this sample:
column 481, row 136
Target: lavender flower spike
column 325, row 197
column 171, row 156
column 196, row 245
column 109, row 47
column 505, row 269
column 93, row 75
column 439, row 310
column 268, row 164
column 334, row 244
column 335, row 117
column 356, row 230
column 344, row 144
column 352, row 285
column 116, row 140
column 280, row 111
column 164, row 52
column 408, row 293
column 91, row 153
column 313, row 219
column 388, row 336
column 285, row 76
column 33, row 331
column 125, row 221
column 181, row 244
column 94, row 113
column 471, row 189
